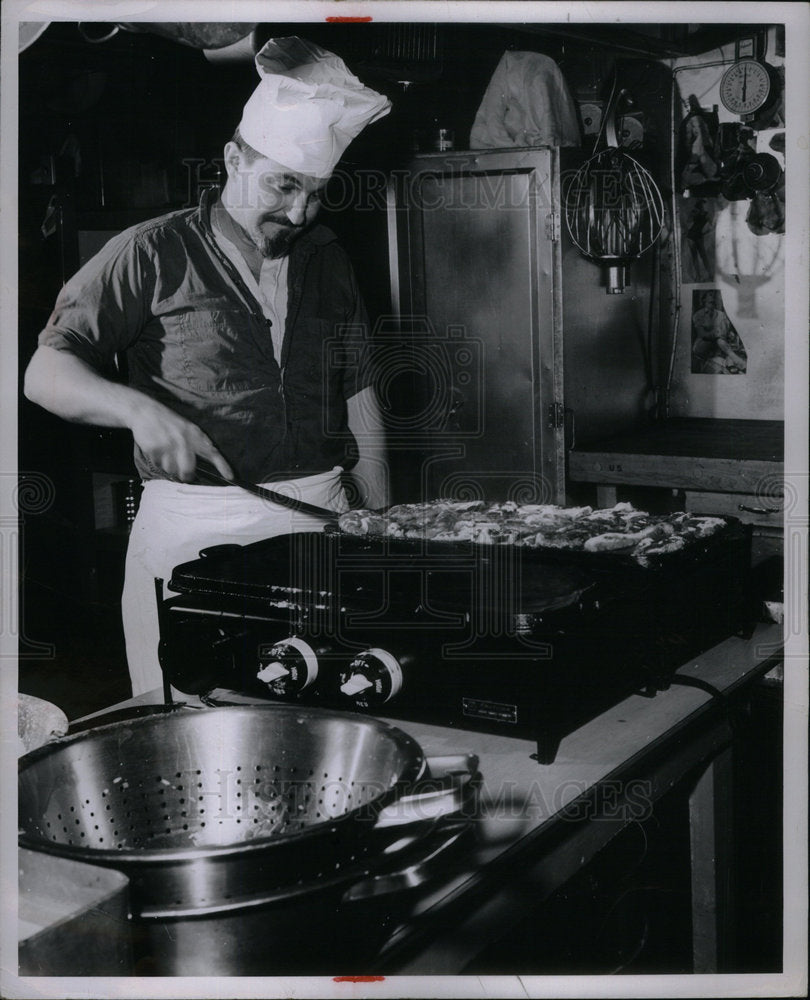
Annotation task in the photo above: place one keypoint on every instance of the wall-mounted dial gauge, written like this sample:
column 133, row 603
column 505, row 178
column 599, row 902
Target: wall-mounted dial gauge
column 745, row 87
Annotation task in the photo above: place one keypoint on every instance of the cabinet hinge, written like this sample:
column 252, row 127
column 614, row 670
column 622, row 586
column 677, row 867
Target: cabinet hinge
column 556, row 415
column 553, row 226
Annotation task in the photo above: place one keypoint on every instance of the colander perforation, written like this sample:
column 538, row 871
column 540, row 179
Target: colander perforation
column 150, row 812
column 169, row 783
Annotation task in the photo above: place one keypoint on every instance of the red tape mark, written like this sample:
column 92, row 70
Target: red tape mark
column 358, row 979
column 347, row 20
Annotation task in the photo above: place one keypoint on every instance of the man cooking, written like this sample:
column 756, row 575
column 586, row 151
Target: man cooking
column 245, row 339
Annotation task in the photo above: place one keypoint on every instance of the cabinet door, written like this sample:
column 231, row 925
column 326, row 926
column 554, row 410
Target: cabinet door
column 475, row 266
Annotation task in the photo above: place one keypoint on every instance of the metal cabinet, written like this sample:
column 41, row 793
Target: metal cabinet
column 478, row 394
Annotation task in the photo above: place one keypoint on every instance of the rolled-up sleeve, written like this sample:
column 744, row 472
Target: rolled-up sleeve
column 103, row 308
column 357, row 347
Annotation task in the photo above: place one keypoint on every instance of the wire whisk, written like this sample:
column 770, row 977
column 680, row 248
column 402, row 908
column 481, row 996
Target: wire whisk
column 613, row 209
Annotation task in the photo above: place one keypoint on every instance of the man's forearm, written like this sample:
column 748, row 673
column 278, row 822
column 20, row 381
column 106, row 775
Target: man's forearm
column 67, row 386
column 370, row 473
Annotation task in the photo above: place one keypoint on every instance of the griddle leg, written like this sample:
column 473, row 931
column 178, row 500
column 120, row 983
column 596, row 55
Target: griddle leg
column 547, row 746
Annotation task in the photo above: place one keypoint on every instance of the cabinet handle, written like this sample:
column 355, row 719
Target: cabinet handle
column 758, row 510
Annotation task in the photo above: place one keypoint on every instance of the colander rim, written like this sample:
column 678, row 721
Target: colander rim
column 415, row 767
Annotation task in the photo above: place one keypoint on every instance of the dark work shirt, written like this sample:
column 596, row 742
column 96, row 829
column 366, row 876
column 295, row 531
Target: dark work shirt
column 196, row 339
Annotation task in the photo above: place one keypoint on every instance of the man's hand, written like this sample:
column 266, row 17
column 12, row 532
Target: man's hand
column 70, row 388
column 173, row 443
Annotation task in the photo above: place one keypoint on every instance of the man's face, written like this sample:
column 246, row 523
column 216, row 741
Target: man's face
column 272, row 204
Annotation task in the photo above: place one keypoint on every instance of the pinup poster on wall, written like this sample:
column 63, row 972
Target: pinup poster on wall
column 697, row 253
column 696, row 158
column 716, row 345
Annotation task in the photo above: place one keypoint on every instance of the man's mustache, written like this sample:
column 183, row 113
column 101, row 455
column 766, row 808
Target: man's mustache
column 279, row 220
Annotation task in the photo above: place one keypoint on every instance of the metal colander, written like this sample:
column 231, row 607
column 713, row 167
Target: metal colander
column 210, row 778
column 242, row 795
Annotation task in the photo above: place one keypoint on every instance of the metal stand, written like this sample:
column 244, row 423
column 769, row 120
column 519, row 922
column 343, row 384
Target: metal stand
column 710, row 834
column 167, row 688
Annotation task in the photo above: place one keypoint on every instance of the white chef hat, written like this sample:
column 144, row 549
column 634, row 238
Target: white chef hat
column 307, row 108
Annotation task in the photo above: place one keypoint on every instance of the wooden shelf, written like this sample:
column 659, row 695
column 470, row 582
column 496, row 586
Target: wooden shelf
column 729, row 456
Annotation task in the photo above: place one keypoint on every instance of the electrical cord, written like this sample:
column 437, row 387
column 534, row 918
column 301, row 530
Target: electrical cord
column 608, row 110
column 652, row 381
column 696, row 682
column 676, row 256
column 642, row 943
column 732, row 713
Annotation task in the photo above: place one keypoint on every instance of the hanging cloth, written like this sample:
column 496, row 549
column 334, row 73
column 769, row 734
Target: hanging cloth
column 527, row 103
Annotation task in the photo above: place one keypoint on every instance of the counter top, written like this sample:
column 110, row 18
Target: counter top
column 532, row 828
column 640, row 740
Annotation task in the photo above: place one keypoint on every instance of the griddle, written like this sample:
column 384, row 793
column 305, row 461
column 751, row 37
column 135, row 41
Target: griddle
column 527, row 642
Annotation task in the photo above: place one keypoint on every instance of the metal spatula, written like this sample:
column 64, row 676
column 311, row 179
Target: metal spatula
column 208, row 473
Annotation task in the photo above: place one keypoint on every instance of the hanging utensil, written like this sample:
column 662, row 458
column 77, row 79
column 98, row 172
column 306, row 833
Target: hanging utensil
column 613, row 208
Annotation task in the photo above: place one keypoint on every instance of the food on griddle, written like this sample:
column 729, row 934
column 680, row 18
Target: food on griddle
column 621, row 529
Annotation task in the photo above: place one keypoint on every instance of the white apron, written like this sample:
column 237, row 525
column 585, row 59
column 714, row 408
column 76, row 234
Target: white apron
column 175, row 521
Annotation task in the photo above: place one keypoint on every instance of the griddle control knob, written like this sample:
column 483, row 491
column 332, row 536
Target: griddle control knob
column 372, row 678
column 273, row 672
column 289, row 667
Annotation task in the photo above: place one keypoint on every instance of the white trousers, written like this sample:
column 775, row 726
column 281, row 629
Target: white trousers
column 175, row 521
